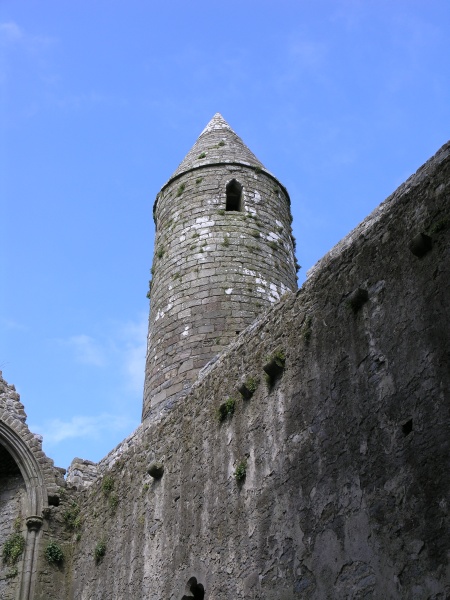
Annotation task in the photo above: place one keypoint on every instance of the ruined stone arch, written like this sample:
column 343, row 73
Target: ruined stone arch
column 29, row 467
column 36, row 502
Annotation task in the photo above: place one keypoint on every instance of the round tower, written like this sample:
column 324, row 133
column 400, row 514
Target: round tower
column 223, row 253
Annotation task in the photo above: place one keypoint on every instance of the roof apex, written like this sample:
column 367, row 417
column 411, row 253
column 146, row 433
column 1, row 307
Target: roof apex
column 217, row 144
column 217, row 122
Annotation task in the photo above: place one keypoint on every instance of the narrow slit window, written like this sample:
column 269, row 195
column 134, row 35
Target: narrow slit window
column 234, row 196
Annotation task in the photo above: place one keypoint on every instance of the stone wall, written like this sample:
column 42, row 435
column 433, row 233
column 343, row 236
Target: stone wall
column 12, row 509
column 345, row 451
column 29, row 482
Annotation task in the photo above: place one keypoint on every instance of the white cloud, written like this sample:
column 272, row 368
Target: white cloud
column 307, row 54
column 36, row 54
column 121, row 347
column 135, row 347
column 7, row 323
column 10, row 32
column 15, row 42
column 92, row 427
column 350, row 13
column 79, row 101
column 134, row 368
column 304, row 57
column 87, row 350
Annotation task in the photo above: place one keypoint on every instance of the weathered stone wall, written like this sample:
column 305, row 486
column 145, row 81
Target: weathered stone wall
column 29, row 482
column 347, row 453
column 214, row 271
column 12, row 508
column 54, row 580
column 81, row 473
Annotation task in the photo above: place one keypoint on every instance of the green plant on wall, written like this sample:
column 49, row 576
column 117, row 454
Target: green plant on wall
column 71, row 516
column 226, row 409
column 181, row 189
column 113, row 502
column 274, row 366
column 53, row 553
column 294, row 242
column 17, row 524
column 248, row 387
column 241, row 471
column 160, row 252
column 251, row 384
column 202, row 155
column 13, row 548
column 307, row 330
column 99, row 551
column 279, row 357
column 107, row 485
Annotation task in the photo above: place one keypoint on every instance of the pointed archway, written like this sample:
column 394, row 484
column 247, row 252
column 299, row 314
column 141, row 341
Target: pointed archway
column 36, row 502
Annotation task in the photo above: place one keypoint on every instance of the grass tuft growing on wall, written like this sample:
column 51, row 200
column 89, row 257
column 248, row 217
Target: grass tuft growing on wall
column 107, row 485
column 71, row 516
column 13, row 548
column 99, row 551
column 226, row 409
column 241, row 471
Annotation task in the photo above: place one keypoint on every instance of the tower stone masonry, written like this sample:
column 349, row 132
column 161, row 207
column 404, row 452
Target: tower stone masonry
column 224, row 252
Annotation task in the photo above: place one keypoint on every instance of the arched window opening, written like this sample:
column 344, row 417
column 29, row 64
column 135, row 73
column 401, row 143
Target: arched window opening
column 8, row 466
column 196, row 590
column 35, row 493
column 234, row 196
column 12, row 541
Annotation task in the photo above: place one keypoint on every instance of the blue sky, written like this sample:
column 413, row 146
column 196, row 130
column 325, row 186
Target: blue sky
column 99, row 103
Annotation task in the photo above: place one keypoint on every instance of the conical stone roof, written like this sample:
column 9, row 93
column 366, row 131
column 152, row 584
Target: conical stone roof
column 217, row 144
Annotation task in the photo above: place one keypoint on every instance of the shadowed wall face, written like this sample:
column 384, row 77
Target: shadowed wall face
column 345, row 488
column 12, row 499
